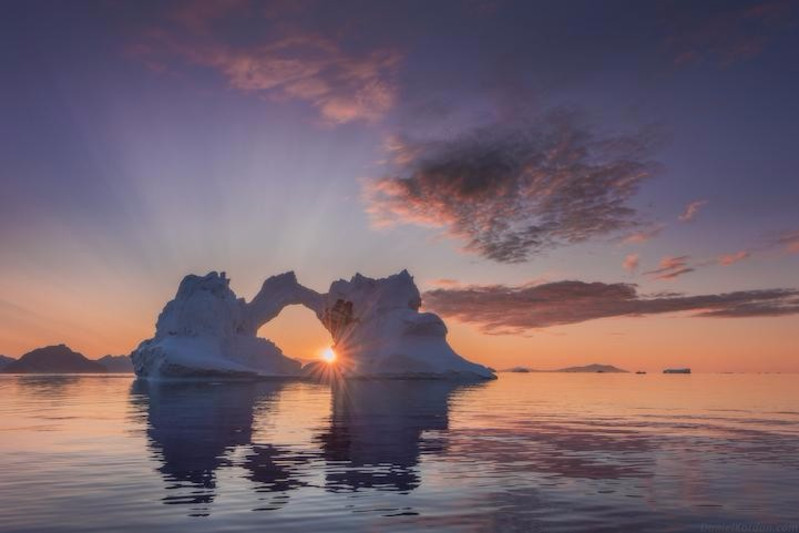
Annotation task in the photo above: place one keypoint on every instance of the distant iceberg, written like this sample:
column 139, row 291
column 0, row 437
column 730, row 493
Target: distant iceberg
column 377, row 330
column 677, row 371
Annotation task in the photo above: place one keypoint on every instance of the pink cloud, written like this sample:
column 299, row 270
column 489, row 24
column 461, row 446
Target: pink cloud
column 731, row 259
column 289, row 63
column 691, row 210
column 631, row 263
column 445, row 282
column 644, row 235
column 790, row 241
column 671, row 268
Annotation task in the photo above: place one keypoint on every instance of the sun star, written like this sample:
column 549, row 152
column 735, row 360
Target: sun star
column 328, row 355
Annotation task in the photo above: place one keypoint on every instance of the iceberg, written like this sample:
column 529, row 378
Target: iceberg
column 378, row 332
column 206, row 331
column 376, row 326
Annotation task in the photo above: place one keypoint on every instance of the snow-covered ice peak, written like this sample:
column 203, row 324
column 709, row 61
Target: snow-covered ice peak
column 206, row 331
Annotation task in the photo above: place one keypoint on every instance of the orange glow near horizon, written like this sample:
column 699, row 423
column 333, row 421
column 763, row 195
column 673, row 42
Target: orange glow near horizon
column 76, row 314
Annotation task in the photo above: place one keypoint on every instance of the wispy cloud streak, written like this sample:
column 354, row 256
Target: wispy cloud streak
column 503, row 309
column 285, row 61
column 789, row 241
column 691, row 210
column 631, row 263
column 671, row 268
column 731, row 259
column 643, row 235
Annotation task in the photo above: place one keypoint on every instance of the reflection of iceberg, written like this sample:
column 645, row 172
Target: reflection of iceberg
column 376, row 436
column 193, row 428
column 275, row 471
column 52, row 387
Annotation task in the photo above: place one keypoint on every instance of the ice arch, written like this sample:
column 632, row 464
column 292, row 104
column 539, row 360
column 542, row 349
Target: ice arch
column 276, row 293
column 377, row 329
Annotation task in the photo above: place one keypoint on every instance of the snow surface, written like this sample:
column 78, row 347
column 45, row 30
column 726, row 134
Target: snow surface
column 377, row 330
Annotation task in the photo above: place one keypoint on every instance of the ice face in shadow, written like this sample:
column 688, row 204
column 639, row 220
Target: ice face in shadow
column 377, row 432
column 205, row 331
column 193, row 430
column 379, row 332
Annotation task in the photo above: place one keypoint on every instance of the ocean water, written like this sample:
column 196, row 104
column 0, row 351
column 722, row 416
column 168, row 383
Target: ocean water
column 528, row 452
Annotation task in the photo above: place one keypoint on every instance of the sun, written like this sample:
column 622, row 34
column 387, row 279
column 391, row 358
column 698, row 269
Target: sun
column 328, row 355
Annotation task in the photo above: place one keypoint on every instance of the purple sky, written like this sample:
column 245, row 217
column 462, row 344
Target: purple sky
column 487, row 146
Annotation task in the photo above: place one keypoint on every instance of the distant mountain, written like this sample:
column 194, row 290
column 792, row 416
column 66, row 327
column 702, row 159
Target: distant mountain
column 596, row 369
column 53, row 359
column 520, row 370
column 5, row 361
column 593, row 368
column 117, row 363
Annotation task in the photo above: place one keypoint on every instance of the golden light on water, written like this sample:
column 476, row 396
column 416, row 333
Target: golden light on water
column 328, row 355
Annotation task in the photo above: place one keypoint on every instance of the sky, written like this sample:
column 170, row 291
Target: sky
column 568, row 182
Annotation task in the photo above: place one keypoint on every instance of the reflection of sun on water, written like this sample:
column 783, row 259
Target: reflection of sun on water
column 328, row 355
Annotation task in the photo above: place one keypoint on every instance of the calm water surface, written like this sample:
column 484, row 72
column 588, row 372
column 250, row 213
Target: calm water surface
column 528, row 452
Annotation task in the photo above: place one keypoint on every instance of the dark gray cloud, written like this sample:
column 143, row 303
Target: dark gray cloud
column 509, row 192
column 501, row 309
